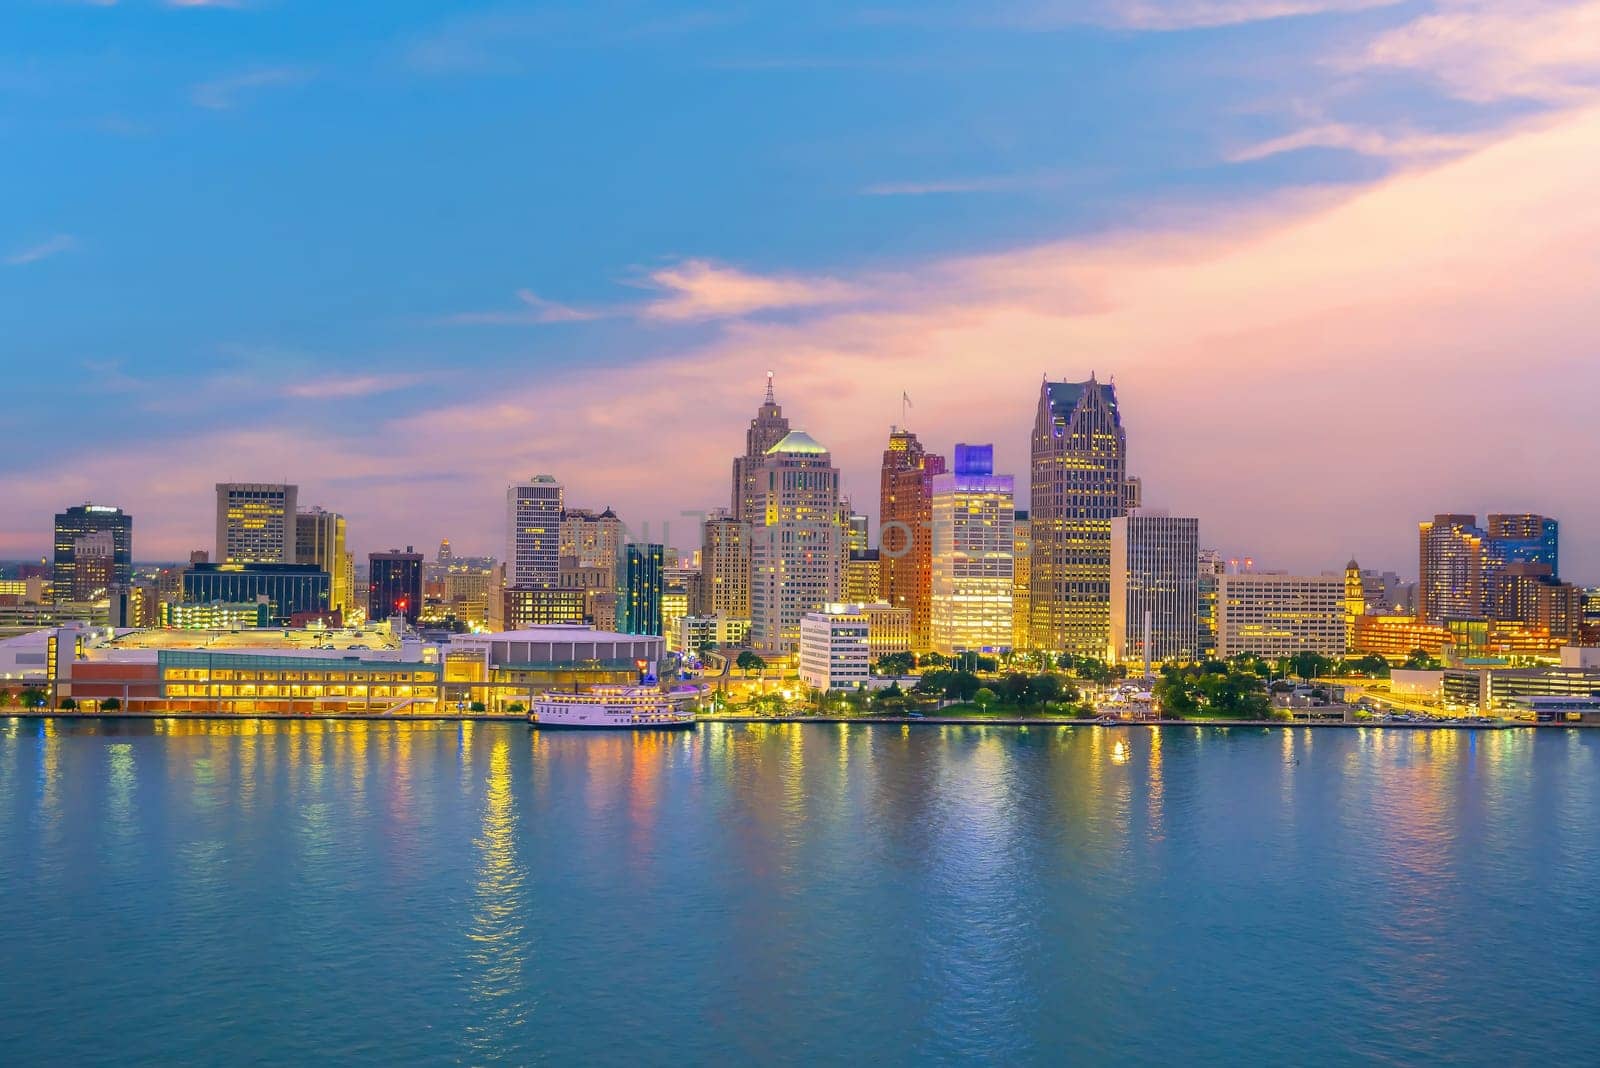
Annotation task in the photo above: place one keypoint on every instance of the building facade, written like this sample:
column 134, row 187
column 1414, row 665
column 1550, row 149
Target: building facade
column 256, row 523
column 290, row 589
column 319, row 538
column 394, row 585
column 767, row 429
column 794, row 551
column 533, row 524
column 863, row 576
column 973, row 547
column 641, row 589
column 1021, row 577
column 905, row 530
column 593, row 539
column 1155, row 588
column 724, row 567
column 83, row 521
column 1274, row 615
column 835, row 653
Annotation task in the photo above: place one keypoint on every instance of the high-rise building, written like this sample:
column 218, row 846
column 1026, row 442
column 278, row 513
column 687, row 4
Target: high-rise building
column 1021, row 576
column 1155, row 587
column 82, row 520
column 533, row 523
column 794, row 549
column 1275, row 615
column 593, row 539
column 767, row 429
column 1455, row 571
column 905, row 530
column 1524, row 538
column 857, row 537
column 290, row 589
column 725, row 567
column 94, row 571
column 1529, row 593
column 641, row 589
column 394, row 585
column 1080, row 484
column 839, row 643
column 974, row 517
column 1209, row 571
column 863, row 577
column 256, row 523
column 319, row 538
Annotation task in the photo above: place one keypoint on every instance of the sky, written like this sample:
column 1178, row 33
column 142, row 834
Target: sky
column 1339, row 256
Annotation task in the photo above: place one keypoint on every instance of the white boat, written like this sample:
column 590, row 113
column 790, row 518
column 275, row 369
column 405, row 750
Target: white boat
column 613, row 707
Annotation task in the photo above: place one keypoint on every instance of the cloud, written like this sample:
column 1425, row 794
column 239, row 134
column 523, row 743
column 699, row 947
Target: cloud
column 222, row 93
column 1487, row 50
column 535, row 311
column 53, row 246
column 1362, row 140
column 700, row 289
column 1167, row 15
column 347, row 386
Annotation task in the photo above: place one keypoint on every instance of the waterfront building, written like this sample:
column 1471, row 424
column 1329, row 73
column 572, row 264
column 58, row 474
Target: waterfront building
column 863, row 575
column 794, row 552
column 290, row 589
column 84, row 521
column 640, row 589
column 256, row 523
column 593, row 539
column 1080, row 484
column 1210, row 567
column 1451, row 583
column 905, row 530
column 394, row 585
column 1274, row 615
column 1021, row 577
column 725, row 566
column 767, row 429
column 217, row 615
column 679, row 589
column 1525, row 538
column 974, row 515
column 543, row 606
column 888, row 628
column 696, row 633
column 1155, row 588
column 533, row 523
column 1529, row 593
column 319, row 538
column 834, row 651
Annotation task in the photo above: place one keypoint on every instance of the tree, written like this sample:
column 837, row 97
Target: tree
column 934, row 660
column 1310, row 665
column 33, row 697
column 748, row 662
column 111, row 704
column 68, row 705
column 1016, row 689
column 962, row 686
column 478, row 706
column 1420, row 660
column 896, row 664
column 1048, row 689
column 1370, row 664
column 516, row 707
column 983, row 698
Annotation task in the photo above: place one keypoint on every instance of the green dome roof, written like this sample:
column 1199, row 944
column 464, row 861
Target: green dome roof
column 798, row 441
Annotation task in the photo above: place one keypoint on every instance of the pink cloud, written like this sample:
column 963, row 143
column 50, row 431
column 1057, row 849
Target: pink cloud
column 700, row 289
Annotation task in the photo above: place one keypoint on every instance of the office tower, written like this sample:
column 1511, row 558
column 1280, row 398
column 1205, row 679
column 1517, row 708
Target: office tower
column 1155, row 587
column 1529, row 593
column 394, row 585
column 974, row 516
column 857, row 538
column 255, row 523
column 533, row 521
column 593, row 539
column 1211, row 567
column 1080, row 484
column 640, row 589
column 1275, row 615
column 905, row 530
column 1452, row 581
column 94, row 570
column 767, row 429
column 1021, row 576
column 290, row 589
column 319, row 538
column 1525, row 539
column 446, row 554
column 862, row 577
column 725, row 567
column 82, row 520
column 794, row 551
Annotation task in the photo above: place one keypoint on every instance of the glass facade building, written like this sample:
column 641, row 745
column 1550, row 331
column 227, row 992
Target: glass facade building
column 642, row 589
column 79, row 524
column 394, row 585
column 290, row 589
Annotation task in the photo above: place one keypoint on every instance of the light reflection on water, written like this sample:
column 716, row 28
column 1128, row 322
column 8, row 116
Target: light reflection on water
column 376, row 892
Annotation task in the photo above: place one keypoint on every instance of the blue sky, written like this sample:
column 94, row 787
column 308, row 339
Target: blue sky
column 328, row 237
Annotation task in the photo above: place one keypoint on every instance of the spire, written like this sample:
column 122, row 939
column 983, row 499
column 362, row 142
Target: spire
column 770, row 398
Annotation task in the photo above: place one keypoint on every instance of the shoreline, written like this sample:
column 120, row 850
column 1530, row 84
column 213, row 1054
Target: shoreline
column 886, row 721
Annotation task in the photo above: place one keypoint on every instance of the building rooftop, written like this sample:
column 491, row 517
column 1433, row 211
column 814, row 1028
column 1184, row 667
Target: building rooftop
column 798, row 441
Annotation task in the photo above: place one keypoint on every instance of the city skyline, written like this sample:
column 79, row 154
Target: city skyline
column 1280, row 263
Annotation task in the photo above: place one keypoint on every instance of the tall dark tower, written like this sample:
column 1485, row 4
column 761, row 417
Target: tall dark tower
column 1080, row 484
column 79, row 525
column 767, row 429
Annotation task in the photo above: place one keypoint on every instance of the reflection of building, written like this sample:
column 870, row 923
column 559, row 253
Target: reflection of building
column 1080, row 484
column 290, row 589
column 1021, row 576
column 1155, row 587
column 81, row 521
column 394, row 585
column 1280, row 615
column 319, row 538
column 794, row 552
column 255, row 523
column 533, row 522
column 973, row 540
column 905, row 530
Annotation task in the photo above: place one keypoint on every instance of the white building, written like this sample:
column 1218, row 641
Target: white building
column 1279, row 615
column 1155, row 576
column 835, row 648
column 719, row 631
column 533, row 521
column 974, row 547
column 795, row 559
column 256, row 523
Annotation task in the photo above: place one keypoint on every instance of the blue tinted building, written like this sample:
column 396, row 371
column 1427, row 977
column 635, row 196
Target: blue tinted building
column 289, row 588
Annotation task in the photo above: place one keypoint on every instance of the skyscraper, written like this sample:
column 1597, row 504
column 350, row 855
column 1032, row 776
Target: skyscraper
column 1209, row 577
column 766, row 430
column 974, row 515
column 533, row 524
column 1080, row 484
column 394, row 585
column 1021, row 576
column 641, row 589
column 905, row 530
column 255, row 523
column 1524, row 538
column 1451, row 579
column 593, row 539
column 82, row 520
column 1155, row 587
column 794, row 550
column 725, row 567
column 319, row 538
